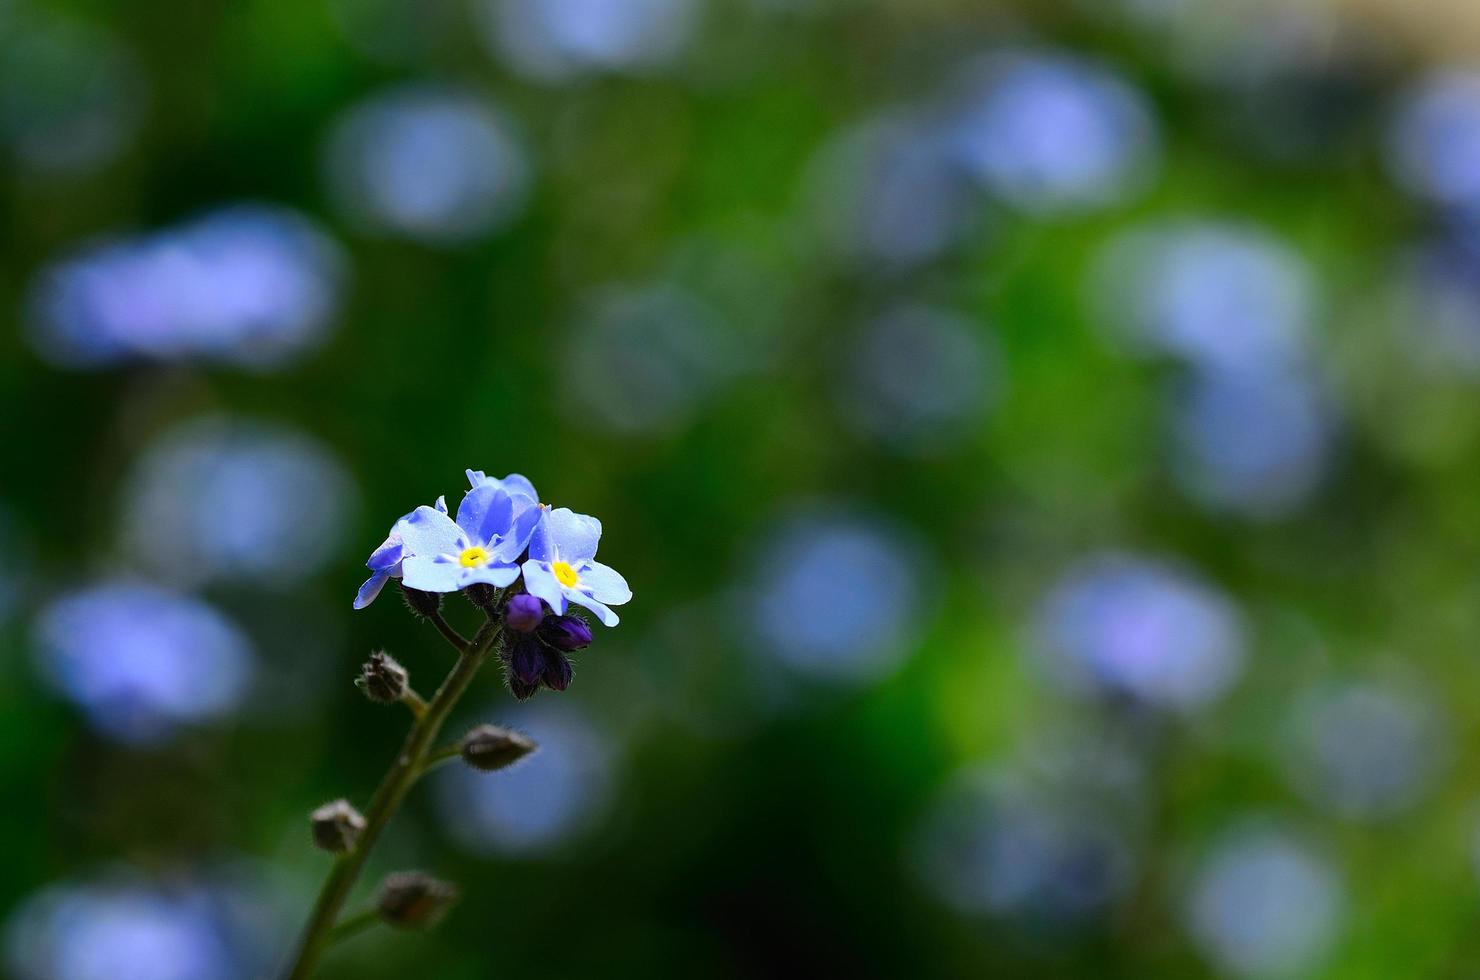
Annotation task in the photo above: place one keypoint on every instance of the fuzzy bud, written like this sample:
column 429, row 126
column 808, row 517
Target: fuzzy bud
column 526, row 660
column 491, row 748
column 521, row 690
column 557, row 673
column 524, row 612
column 568, row 633
column 336, row 826
column 411, row 899
column 482, row 595
column 421, row 603
column 382, row 679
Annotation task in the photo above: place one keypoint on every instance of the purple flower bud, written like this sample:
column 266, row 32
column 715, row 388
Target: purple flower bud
column 566, row 633
column 526, row 660
column 521, row 690
column 557, row 672
column 524, row 612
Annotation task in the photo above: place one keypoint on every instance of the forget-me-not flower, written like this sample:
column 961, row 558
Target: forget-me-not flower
column 483, row 546
column 561, row 566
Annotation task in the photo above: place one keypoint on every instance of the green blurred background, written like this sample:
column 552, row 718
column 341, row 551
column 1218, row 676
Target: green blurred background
column 1040, row 438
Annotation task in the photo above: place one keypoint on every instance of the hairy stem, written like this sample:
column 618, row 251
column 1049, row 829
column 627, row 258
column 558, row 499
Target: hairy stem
column 408, row 765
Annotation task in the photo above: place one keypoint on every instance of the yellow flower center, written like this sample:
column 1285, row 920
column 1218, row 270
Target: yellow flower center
column 473, row 557
column 565, row 574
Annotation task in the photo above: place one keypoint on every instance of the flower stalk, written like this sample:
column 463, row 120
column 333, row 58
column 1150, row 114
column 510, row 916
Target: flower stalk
column 408, row 765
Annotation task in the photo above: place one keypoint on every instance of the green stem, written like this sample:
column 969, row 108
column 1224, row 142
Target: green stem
column 353, row 925
column 408, row 765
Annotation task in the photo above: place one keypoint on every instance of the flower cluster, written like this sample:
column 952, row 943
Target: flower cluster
column 503, row 538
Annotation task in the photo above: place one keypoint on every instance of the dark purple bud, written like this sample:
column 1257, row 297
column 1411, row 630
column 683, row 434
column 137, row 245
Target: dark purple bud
column 568, row 633
column 493, row 747
column 410, row 899
column 336, row 826
column 557, row 672
column 421, row 603
column 524, row 612
column 521, row 690
column 526, row 660
column 382, row 679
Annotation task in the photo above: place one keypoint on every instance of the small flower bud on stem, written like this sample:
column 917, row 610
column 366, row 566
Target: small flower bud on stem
column 421, row 603
column 491, row 747
column 383, row 679
column 412, row 900
column 337, row 826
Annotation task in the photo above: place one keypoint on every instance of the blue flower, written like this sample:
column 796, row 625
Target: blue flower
column 385, row 561
column 483, row 546
column 561, row 568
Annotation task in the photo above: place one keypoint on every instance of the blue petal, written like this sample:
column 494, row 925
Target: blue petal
column 525, row 521
column 429, row 532
column 370, row 589
column 485, row 513
column 605, row 583
column 442, row 503
column 491, row 574
column 387, row 556
column 565, row 536
column 431, row 574
column 607, row 617
column 476, row 478
column 517, row 484
column 541, row 583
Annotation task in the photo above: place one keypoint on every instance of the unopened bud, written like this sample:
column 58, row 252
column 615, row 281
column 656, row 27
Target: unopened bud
column 568, row 633
column 336, row 826
column 524, row 612
column 521, row 690
column 421, row 603
column 482, row 595
column 490, row 747
column 411, row 899
column 382, row 678
column 526, row 660
column 557, row 673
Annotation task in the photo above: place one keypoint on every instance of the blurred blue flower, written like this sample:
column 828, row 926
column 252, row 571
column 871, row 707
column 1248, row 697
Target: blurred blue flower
column 889, row 192
column 543, row 800
column 483, row 546
column 1048, row 849
column 1263, row 904
column 1253, row 443
column 1434, row 143
column 223, row 926
column 219, row 499
column 1051, row 133
column 439, row 166
column 71, row 94
column 1365, row 751
column 835, row 596
column 250, row 285
column 918, row 379
column 1219, row 296
column 1438, row 286
column 558, row 40
column 562, row 566
column 385, row 561
column 141, row 660
column 1131, row 626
